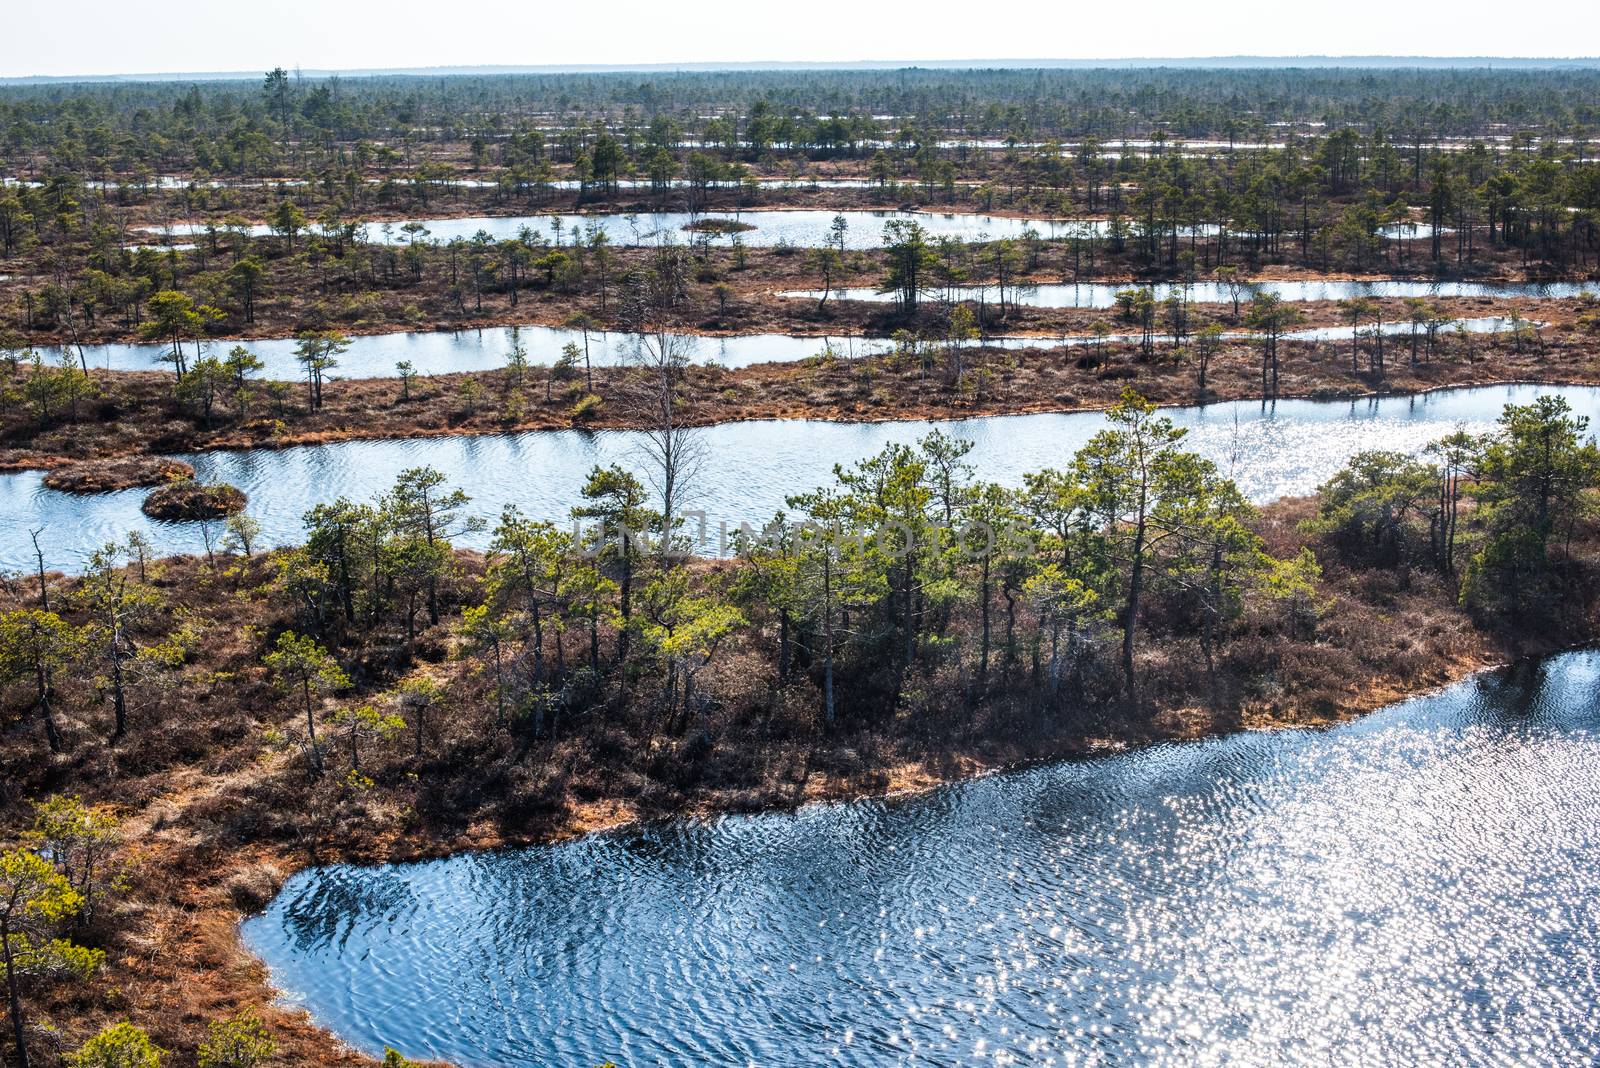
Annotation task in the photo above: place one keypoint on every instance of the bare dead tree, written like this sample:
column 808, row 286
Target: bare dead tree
column 38, row 554
column 658, row 361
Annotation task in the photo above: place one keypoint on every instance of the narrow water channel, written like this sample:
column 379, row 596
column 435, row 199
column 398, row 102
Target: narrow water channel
column 749, row 469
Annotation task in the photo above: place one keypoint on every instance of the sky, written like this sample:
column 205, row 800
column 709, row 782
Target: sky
column 47, row 37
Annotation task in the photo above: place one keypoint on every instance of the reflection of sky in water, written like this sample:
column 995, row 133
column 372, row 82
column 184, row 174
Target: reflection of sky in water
column 1418, row 887
column 750, row 468
column 442, row 352
column 801, row 228
column 433, row 352
column 1104, row 294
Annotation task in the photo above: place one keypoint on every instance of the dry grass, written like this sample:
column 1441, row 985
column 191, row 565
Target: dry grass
column 138, row 415
column 103, row 476
column 218, row 817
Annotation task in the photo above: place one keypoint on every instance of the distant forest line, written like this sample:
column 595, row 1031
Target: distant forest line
column 1019, row 103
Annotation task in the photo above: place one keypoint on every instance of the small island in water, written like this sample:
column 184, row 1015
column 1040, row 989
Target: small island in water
column 1102, row 563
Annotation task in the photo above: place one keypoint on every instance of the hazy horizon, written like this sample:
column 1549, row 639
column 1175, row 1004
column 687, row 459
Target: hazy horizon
column 200, row 40
column 1368, row 62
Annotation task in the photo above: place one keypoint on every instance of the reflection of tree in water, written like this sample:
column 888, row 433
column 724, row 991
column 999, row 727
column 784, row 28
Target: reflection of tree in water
column 1514, row 693
column 1121, row 890
column 336, row 903
column 1528, row 696
column 1501, row 697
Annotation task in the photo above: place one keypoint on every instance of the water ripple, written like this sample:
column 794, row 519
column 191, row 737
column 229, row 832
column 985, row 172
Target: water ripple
column 1416, row 887
column 1273, row 451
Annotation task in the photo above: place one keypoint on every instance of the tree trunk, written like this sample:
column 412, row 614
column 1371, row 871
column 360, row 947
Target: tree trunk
column 51, row 733
column 1055, row 660
column 44, row 590
column 15, row 993
column 311, row 731
column 783, row 645
column 594, row 641
column 499, row 689
column 827, row 638
column 1135, row 587
column 538, row 643
column 1011, row 624
column 909, row 625
column 983, row 660
column 118, row 690
column 625, row 603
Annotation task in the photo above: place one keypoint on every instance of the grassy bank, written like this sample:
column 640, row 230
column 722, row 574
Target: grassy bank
column 136, row 413
column 217, row 811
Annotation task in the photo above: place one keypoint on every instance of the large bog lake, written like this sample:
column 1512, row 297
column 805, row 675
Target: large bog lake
column 1421, row 886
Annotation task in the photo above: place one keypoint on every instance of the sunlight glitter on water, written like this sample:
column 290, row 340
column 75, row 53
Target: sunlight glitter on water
column 1418, row 886
column 1275, row 450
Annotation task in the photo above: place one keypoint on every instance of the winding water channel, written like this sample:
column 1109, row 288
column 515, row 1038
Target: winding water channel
column 1421, row 886
column 432, row 352
column 1104, row 294
column 1272, row 450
